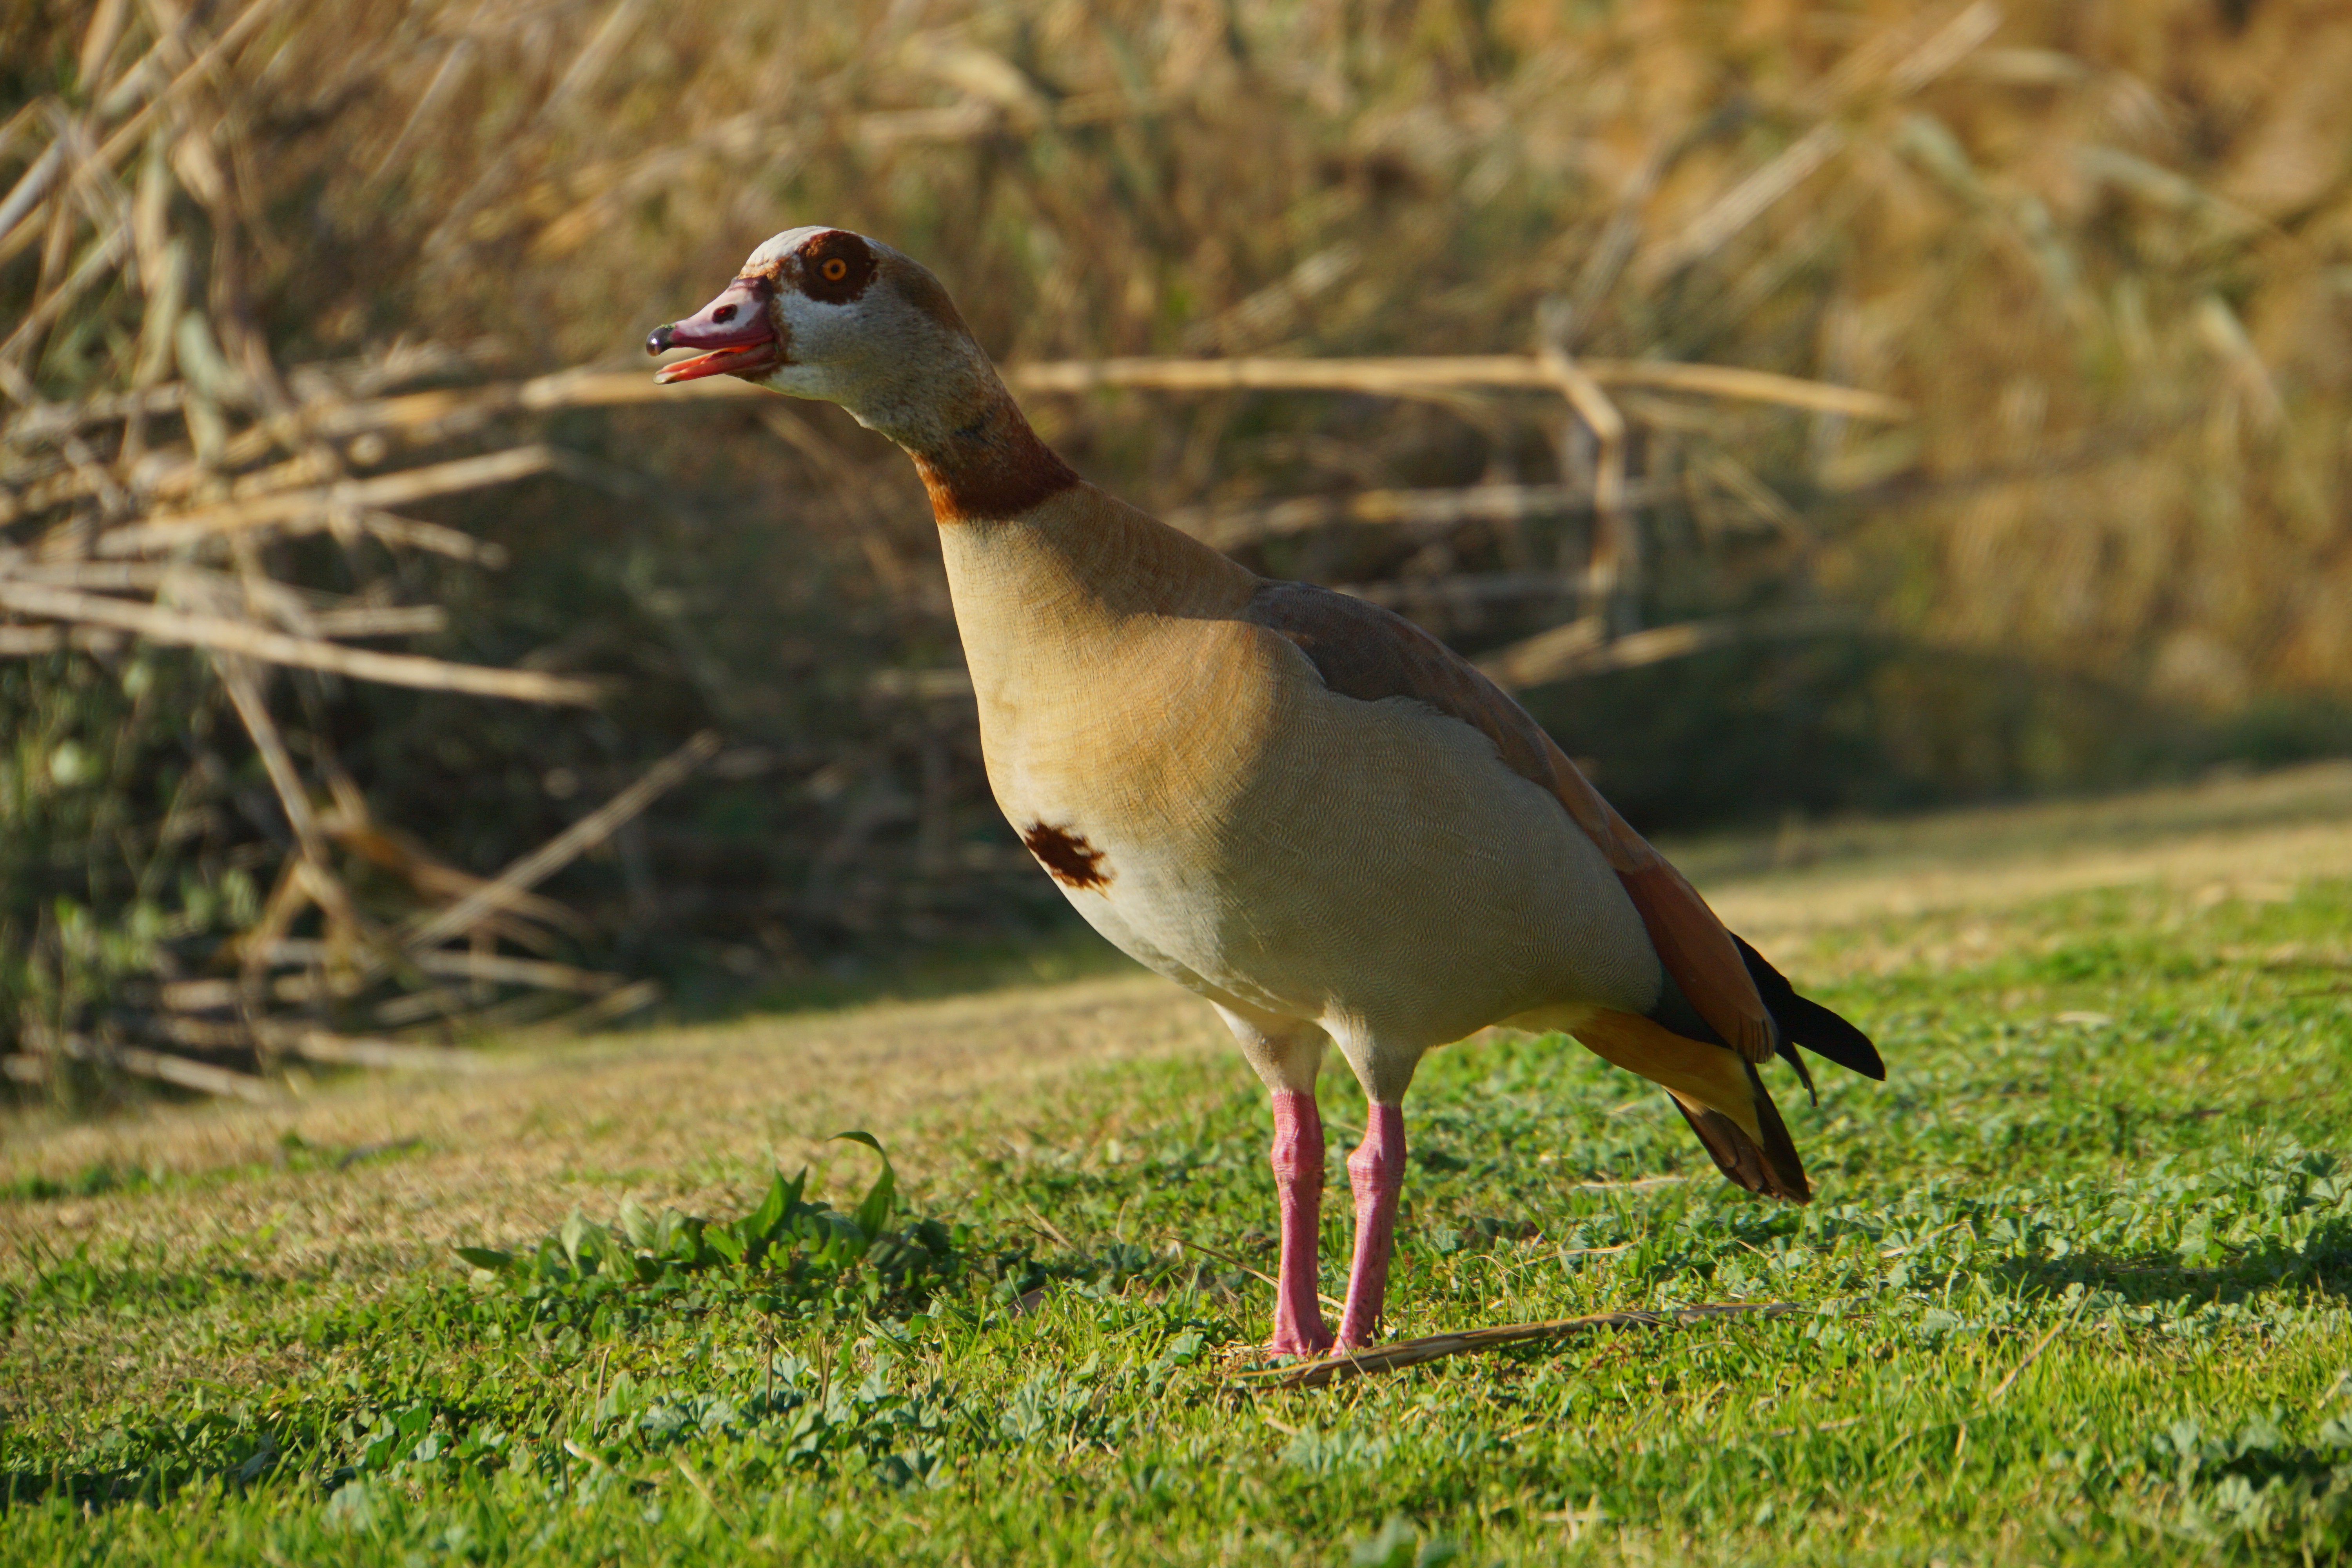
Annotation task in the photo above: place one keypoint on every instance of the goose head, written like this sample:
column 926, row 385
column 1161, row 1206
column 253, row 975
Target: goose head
column 830, row 314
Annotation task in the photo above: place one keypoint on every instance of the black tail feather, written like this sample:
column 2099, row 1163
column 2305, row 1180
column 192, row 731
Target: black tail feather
column 1788, row 1053
column 1809, row 1024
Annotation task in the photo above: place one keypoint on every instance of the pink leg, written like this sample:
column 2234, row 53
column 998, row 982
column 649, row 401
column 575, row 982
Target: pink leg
column 1377, row 1171
column 1299, row 1177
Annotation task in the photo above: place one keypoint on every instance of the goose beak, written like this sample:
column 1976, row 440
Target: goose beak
column 735, row 330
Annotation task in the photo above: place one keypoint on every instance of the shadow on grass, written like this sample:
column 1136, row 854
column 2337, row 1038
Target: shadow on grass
column 95, row 1489
column 1067, row 952
column 2324, row 1265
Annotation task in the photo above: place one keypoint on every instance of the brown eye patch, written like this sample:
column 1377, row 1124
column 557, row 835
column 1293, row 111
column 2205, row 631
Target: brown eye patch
column 835, row 267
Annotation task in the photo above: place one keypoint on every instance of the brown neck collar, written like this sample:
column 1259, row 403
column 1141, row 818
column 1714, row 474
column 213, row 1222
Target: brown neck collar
column 992, row 466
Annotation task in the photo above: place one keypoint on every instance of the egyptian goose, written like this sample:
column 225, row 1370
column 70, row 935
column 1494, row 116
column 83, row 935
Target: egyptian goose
column 1294, row 803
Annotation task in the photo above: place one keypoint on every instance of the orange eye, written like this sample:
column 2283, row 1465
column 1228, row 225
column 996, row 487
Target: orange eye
column 835, row 269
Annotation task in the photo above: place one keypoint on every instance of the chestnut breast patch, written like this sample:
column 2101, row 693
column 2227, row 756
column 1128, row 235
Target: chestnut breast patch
column 1068, row 858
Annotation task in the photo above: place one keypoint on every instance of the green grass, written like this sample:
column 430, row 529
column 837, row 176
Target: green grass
column 2074, row 1291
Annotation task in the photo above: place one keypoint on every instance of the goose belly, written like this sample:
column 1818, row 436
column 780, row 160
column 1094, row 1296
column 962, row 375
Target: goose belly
column 1369, row 866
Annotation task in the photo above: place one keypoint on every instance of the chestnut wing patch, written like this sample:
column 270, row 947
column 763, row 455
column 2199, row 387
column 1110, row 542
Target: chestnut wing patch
column 1368, row 653
column 1068, row 858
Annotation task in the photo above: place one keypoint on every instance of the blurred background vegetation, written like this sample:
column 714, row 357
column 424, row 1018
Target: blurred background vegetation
column 2103, row 249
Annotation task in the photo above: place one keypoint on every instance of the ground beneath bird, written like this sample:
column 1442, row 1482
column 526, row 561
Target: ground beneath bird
column 2074, row 1288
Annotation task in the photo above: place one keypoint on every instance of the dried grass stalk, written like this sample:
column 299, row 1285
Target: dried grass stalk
column 339, row 1050
column 224, row 635
column 1231, row 527
column 1403, row 376
column 1579, row 647
column 169, row 532
column 564, row 847
column 1342, row 1365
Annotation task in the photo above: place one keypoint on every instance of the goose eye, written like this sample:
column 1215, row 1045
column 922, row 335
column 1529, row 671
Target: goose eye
column 835, row 269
